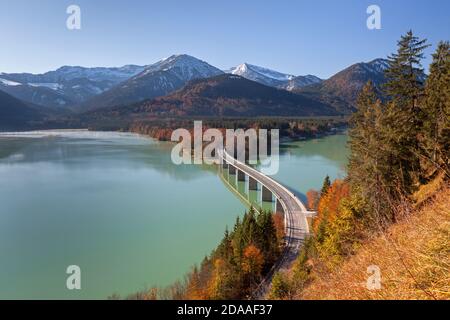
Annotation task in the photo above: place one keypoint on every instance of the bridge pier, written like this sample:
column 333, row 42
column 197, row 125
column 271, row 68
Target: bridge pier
column 252, row 184
column 266, row 194
column 241, row 175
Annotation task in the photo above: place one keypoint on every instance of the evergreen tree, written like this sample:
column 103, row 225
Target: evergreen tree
column 368, row 166
column 225, row 248
column 326, row 185
column 239, row 238
column 280, row 287
column 436, row 109
column 268, row 237
column 403, row 118
column 237, row 224
column 250, row 228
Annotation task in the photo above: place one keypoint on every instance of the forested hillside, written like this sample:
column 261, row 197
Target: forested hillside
column 393, row 210
column 15, row 113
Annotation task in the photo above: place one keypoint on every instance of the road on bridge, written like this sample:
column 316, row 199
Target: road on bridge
column 296, row 224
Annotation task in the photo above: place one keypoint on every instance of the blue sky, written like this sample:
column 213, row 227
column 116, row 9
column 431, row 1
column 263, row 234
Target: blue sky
column 299, row 37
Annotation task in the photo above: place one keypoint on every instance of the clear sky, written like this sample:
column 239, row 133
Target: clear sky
column 294, row 36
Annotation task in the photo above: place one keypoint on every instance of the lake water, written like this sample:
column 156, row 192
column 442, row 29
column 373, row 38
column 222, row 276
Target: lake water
column 115, row 205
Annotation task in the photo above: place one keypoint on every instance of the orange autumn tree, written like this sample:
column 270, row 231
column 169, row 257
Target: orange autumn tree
column 216, row 282
column 328, row 205
column 195, row 289
column 253, row 261
column 278, row 221
column 312, row 197
column 339, row 221
column 242, row 258
column 327, row 208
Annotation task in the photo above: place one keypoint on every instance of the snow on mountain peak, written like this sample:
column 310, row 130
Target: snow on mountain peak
column 183, row 66
column 96, row 73
column 379, row 64
column 254, row 72
column 9, row 83
column 240, row 69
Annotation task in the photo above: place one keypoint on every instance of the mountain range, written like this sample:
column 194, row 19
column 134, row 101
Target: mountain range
column 182, row 85
column 65, row 87
column 225, row 95
column 156, row 80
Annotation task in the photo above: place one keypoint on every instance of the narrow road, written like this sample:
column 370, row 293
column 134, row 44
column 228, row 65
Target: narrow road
column 296, row 225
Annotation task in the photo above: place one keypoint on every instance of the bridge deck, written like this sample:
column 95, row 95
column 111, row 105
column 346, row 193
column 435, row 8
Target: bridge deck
column 296, row 224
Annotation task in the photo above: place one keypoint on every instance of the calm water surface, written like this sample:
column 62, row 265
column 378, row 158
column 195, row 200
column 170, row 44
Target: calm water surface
column 115, row 205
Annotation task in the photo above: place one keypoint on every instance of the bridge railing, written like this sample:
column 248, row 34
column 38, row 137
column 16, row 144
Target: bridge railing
column 290, row 193
column 265, row 283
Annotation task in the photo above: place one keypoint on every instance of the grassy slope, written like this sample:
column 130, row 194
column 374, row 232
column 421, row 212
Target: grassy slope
column 413, row 256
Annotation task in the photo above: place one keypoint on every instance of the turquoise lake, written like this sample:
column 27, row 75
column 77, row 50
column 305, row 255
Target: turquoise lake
column 115, row 205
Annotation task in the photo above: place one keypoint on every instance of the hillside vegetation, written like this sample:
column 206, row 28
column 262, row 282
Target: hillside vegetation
column 392, row 212
column 413, row 256
column 14, row 113
column 217, row 97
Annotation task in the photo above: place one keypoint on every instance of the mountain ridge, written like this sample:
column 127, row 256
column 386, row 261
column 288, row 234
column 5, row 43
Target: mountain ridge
column 272, row 78
column 225, row 95
column 15, row 113
column 158, row 79
column 341, row 90
column 66, row 86
column 175, row 84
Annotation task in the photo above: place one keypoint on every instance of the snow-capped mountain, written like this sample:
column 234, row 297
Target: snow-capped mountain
column 272, row 78
column 262, row 75
column 301, row 81
column 71, row 87
column 249, row 70
column 377, row 65
column 67, row 73
column 184, row 67
column 66, row 86
column 159, row 79
column 45, row 94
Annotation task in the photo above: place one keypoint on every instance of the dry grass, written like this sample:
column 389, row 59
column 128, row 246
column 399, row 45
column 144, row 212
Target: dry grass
column 428, row 190
column 413, row 256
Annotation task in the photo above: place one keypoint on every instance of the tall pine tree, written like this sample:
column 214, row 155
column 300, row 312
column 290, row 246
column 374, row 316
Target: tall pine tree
column 403, row 118
column 326, row 185
column 367, row 163
column 436, row 110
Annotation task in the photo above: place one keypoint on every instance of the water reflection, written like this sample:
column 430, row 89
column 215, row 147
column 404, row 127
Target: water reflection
column 250, row 198
column 303, row 166
column 81, row 153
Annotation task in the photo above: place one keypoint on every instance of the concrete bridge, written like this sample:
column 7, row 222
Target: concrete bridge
column 295, row 213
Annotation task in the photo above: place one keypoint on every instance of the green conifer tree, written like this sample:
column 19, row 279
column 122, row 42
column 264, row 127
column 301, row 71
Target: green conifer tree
column 436, row 110
column 326, row 185
column 403, row 119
